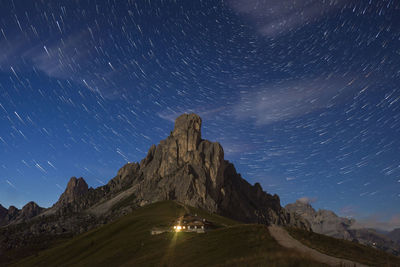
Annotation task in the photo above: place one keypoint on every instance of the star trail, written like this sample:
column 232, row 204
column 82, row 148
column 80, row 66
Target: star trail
column 303, row 95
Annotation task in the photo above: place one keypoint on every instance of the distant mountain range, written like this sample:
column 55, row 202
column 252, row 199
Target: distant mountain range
column 328, row 223
column 184, row 168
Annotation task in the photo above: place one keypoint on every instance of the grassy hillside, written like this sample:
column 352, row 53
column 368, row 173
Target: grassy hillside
column 127, row 242
column 344, row 249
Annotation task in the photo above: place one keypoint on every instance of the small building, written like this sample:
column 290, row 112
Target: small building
column 192, row 223
column 186, row 223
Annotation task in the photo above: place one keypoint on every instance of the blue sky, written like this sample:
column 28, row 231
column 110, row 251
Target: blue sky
column 302, row 95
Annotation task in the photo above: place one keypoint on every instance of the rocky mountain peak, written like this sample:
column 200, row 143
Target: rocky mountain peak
column 301, row 207
column 322, row 221
column 186, row 168
column 187, row 123
column 187, row 132
column 12, row 210
column 76, row 188
column 30, row 210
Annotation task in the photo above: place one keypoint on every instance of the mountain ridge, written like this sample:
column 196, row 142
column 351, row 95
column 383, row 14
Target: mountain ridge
column 15, row 215
column 326, row 222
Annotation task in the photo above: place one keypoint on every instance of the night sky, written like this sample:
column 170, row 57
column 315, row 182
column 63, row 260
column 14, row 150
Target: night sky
column 303, row 95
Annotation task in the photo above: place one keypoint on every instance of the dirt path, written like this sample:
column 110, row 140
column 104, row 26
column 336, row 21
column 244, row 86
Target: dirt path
column 287, row 241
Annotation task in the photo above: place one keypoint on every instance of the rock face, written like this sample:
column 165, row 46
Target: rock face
column 322, row 221
column 30, row 210
column 76, row 189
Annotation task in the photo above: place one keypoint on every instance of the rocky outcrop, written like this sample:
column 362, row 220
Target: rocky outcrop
column 15, row 215
column 30, row 210
column 76, row 188
column 322, row 221
column 124, row 179
column 73, row 198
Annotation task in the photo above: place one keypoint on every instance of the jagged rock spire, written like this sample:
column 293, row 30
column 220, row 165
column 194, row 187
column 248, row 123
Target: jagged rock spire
column 186, row 168
column 187, row 132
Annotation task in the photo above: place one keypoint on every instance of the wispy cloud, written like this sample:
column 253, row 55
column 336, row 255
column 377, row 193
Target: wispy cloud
column 72, row 58
column 274, row 17
column 276, row 102
column 11, row 51
column 378, row 220
column 375, row 221
column 69, row 59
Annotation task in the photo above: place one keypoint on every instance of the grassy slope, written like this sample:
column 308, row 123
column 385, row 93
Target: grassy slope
column 128, row 242
column 38, row 244
column 344, row 249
